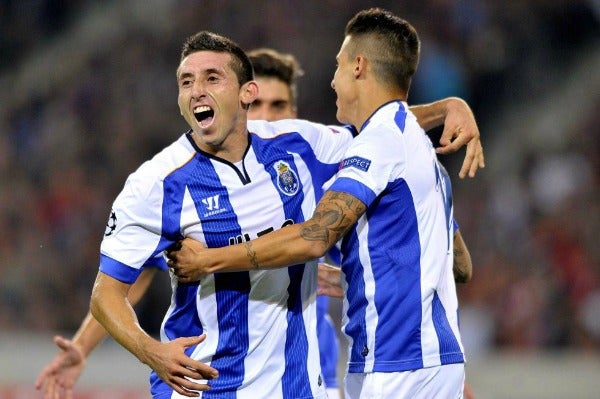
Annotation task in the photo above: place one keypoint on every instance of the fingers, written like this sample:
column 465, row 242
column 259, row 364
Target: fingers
column 50, row 385
column 191, row 341
column 474, row 160
column 179, row 273
column 187, row 388
column 190, row 376
column 197, row 370
column 41, row 378
column 467, row 166
column 50, row 391
column 175, row 247
column 170, row 252
column 449, row 146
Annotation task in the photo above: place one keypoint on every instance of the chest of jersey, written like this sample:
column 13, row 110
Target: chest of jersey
column 223, row 204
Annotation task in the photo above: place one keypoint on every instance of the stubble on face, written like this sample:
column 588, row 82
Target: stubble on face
column 209, row 100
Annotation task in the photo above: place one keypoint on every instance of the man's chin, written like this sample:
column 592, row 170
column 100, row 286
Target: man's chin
column 342, row 119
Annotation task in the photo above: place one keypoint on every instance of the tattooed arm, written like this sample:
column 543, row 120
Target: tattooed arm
column 298, row 243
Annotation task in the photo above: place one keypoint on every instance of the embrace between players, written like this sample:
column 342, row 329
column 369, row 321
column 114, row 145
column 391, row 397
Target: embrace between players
column 242, row 322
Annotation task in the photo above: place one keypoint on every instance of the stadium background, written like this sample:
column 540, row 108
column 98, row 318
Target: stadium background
column 88, row 91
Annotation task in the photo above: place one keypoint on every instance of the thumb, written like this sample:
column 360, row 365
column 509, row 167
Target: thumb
column 445, row 138
column 62, row 342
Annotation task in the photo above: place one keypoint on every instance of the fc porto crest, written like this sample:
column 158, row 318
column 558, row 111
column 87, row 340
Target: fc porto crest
column 287, row 179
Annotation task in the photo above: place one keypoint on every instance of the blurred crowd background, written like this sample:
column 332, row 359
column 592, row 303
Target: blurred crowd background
column 88, row 92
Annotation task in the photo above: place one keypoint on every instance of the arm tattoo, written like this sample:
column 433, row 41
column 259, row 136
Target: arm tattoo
column 251, row 255
column 334, row 216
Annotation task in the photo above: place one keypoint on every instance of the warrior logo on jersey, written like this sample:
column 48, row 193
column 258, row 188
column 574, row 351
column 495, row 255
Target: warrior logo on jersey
column 287, row 180
column 111, row 225
column 212, row 205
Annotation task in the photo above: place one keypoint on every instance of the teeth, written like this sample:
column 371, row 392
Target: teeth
column 202, row 108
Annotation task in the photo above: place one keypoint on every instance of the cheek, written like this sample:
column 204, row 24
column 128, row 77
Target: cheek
column 181, row 102
column 286, row 113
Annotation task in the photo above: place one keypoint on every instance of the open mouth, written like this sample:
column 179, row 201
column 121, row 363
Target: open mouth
column 204, row 115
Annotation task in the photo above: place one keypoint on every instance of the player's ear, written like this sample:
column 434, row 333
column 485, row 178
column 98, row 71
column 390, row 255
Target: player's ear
column 360, row 65
column 248, row 93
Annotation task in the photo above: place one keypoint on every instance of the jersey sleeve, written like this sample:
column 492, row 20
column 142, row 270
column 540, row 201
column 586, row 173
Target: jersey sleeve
column 133, row 231
column 371, row 162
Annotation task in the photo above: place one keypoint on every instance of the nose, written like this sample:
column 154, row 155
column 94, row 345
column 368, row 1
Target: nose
column 332, row 84
column 268, row 116
column 198, row 89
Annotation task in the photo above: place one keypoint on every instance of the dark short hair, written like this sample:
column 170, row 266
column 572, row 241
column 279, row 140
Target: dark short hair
column 273, row 64
column 389, row 42
column 209, row 41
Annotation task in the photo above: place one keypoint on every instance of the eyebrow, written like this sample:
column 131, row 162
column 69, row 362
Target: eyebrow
column 207, row 72
column 184, row 75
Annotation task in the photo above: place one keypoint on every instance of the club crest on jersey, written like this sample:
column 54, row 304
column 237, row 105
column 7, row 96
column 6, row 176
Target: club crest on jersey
column 287, row 180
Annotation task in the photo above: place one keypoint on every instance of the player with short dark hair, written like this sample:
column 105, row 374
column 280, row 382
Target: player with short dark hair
column 391, row 205
column 276, row 74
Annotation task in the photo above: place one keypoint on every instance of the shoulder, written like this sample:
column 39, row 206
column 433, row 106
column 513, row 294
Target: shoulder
column 299, row 126
column 392, row 118
column 168, row 159
column 153, row 172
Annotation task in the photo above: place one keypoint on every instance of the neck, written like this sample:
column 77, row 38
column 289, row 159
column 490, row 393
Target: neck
column 370, row 100
column 231, row 149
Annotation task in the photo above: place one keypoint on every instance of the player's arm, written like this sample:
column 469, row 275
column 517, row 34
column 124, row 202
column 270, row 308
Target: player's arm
column 336, row 212
column 110, row 306
column 460, row 128
column 60, row 375
column 91, row 333
column 462, row 266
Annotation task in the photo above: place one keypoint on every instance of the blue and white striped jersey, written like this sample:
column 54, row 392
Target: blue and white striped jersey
column 400, row 308
column 260, row 325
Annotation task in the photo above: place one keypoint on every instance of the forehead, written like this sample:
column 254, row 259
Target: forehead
column 271, row 88
column 203, row 61
column 344, row 47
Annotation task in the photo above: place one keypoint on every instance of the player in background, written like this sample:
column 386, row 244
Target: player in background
column 58, row 378
column 391, row 202
column 276, row 75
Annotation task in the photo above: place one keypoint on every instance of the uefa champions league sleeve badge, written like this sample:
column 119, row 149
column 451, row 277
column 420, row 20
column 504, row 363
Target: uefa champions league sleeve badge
column 111, row 225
